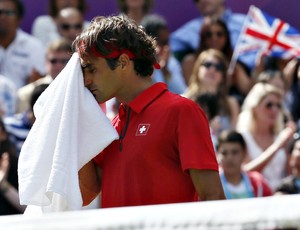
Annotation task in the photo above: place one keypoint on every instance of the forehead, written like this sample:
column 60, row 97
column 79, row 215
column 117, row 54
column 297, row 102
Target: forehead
column 88, row 59
column 7, row 5
column 230, row 145
column 271, row 96
column 211, row 58
column 58, row 53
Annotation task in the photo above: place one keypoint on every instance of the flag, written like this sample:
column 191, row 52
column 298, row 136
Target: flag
column 263, row 33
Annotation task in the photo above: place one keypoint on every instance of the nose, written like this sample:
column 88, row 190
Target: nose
column 87, row 80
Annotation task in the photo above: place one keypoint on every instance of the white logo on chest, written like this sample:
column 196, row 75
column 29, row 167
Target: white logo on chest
column 142, row 129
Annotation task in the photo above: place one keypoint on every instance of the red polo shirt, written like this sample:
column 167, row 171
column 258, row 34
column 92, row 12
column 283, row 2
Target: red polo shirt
column 162, row 136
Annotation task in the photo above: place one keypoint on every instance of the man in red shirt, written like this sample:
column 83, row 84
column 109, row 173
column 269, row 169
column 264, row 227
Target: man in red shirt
column 164, row 153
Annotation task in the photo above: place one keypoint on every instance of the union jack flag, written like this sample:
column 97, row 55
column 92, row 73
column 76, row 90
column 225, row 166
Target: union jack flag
column 263, row 33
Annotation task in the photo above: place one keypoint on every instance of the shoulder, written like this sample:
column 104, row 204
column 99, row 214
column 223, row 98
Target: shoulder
column 182, row 107
column 193, row 24
column 43, row 19
column 26, row 39
column 234, row 17
column 7, row 83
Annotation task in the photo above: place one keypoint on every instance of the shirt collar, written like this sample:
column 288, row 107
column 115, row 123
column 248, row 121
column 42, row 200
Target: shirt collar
column 147, row 96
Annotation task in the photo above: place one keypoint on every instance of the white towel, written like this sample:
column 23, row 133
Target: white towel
column 70, row 129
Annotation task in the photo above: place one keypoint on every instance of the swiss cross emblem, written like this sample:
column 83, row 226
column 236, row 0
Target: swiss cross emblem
column 142, row 129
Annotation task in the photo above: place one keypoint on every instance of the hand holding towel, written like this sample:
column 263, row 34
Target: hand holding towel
column 70, row 129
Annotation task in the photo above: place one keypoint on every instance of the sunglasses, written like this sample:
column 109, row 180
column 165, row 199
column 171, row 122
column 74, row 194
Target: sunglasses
column 55, row 61
column 270, row 105
column 218, row 34
column 7, row 12
column 65, row 26
column 217, row 66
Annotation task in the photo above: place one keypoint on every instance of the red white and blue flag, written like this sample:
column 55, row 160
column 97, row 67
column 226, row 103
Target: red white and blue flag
column 263, row 33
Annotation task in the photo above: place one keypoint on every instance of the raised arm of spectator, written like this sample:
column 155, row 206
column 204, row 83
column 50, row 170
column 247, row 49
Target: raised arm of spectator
column 263, row 159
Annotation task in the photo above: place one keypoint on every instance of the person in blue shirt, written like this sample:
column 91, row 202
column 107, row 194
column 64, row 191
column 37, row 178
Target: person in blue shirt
column 170, row 72
column 186, row 38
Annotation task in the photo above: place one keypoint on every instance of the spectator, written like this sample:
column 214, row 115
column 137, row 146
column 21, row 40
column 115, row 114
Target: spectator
column 292, row 76
column 214, row 34
column 9, row 197
column 260, row 122
column 276, row 78
column 117, row 58
column 19, row 125
column 69, row 23
column 291, row 184
column 57, row 55
column 8, row 97
column 21, row 55
column 186, row 39
column 44, row 27
column 170, row 70
column 135, row 9
column 209, row 103
column 209, row 75
column 236, row 182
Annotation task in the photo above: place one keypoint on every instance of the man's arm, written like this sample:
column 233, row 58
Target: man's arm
column 89, row 182
column 208, row 184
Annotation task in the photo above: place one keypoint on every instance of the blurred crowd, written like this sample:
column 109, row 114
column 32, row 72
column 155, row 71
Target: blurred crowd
column 253, row 111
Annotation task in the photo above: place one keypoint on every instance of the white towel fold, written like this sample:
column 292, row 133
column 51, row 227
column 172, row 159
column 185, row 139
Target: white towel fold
column 70, row 129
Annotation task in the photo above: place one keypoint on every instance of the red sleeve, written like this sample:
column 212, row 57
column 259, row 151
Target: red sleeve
column 194, row 140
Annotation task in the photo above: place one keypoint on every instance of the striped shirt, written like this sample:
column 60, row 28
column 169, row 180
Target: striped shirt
column 18, row 127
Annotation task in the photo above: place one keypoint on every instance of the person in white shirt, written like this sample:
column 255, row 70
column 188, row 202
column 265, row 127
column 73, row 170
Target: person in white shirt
column 21, row 55
column 170, row 71
column 44, row 26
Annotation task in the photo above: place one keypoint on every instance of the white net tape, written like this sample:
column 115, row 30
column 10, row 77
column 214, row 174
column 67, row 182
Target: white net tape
column 277, row 212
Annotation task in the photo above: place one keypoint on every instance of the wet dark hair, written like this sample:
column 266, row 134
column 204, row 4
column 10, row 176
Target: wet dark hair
column 19, row 7
column 231, row 136
column 146, row 8
column 53, row 10
column 106, row 35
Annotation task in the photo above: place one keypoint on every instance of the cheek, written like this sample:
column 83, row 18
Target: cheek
column 201, row 73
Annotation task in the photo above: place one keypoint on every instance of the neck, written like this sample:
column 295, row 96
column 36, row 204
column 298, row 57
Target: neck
column 7, row 39
column 262, row 129
column 128, row 93
column 233, row 178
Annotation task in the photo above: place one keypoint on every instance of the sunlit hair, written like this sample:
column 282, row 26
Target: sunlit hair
column 107, row 35
column 256, row 95
column 148, row 4
column 206, row 27
column 60, row 45
column 196, row 87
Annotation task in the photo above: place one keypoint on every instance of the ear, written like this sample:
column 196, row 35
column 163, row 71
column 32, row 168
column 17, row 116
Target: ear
column 124, row 61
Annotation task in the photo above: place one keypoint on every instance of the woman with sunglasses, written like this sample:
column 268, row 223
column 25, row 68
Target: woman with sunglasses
column 44, row 27
column 214, row 34
column 260, row 122
column 209, row 76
